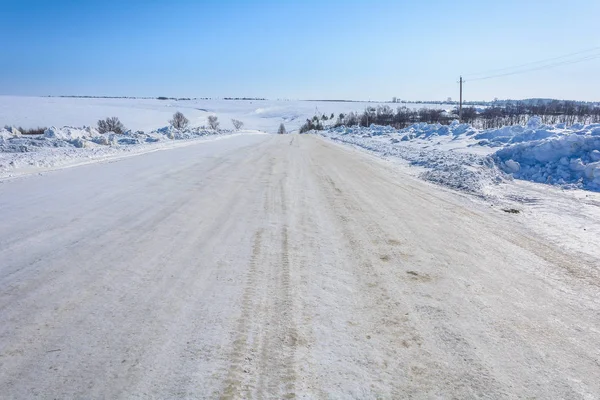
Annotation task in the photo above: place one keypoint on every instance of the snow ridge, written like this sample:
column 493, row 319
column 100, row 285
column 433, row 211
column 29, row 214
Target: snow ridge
column 70, row 145
column 465, row 158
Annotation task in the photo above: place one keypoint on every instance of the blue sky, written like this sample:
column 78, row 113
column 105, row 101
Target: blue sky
column 296, row 49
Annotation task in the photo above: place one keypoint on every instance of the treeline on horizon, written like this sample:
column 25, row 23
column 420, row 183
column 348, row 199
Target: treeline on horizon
column 160, row 98
column 510, row 113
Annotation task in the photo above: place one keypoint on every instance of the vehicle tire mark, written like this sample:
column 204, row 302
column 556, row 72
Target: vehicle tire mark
column 235, row 375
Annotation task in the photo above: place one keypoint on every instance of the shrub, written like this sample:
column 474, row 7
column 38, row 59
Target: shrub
column 306, row 126
column 237, row 124
column 111, row 124
column 213, row 122
column 310, row 125
column 32, row 131
column 281, row 129
column 179, row 121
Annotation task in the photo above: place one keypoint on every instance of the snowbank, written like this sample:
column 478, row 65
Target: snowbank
column 462, row 157
column 60, row 146
column 571, row 160
column 464, row 171
column 87, row 137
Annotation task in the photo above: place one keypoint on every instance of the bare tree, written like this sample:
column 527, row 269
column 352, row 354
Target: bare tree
column 282, row 130
column 213, row 122
column 237, row 124
column 179, row 121
column 111, row 125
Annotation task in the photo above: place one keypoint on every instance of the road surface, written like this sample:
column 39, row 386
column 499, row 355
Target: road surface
column 266, row 266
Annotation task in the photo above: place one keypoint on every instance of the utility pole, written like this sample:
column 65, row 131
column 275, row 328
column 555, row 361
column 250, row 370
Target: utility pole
column 460, row 106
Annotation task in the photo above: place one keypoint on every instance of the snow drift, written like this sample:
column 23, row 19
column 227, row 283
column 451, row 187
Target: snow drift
column 567, row 160
column 462, row 157
column 59, row 146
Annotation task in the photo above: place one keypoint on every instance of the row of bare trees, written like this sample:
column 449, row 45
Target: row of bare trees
column 512, row 113
column 381, row 115
column 517, row 113
column 179, row 121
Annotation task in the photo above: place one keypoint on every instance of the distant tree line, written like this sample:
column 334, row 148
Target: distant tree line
column 157, row 98
column 178, row 98
column 517, row 113
column 511, row 113
column 381, row 115
column 244, row 98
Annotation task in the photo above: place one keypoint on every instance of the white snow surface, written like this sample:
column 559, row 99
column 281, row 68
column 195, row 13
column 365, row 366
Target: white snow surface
column 69, row 146
column 151, row 114
column 72, row 140
column 465, row 158
column 271, row 266
column 455, row 155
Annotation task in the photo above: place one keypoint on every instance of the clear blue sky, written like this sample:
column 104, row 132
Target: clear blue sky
column 295, row 49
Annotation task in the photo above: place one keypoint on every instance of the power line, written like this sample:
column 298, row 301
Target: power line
column 547, row 66
column 593, row 49
column 566, row 60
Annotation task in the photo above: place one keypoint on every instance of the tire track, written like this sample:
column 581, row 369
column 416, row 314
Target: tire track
column 277, row 371
column 277, row 362
column 373, row 247
column 239, row 355
column 262, row 362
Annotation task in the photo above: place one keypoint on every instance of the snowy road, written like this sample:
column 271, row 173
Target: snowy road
column 267, row 266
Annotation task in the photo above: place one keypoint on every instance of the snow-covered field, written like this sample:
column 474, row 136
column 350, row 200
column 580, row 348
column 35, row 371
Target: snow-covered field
column 72, row 139
column 151, row 114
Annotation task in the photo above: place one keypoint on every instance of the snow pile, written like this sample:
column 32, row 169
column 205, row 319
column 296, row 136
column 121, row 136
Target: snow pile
column 58, row 146
column 88, row 137
column 421, row 131
column 469, row 159
column 464, row 171
column 534, row 130
column 426, row 131
column 567, row 160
